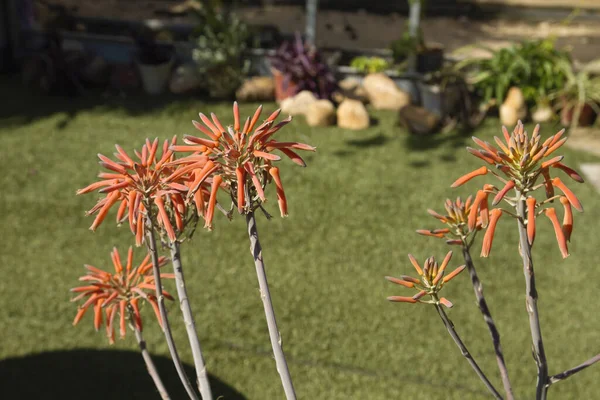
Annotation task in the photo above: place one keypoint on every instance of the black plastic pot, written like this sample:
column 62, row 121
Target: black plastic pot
column 430, row 60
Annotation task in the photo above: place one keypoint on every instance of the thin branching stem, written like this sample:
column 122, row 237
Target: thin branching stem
column 465, row 352
column 151, row 245
column 539, row 353
column 564, row 375
column 190, row 325
column 487, row 316
column 256, row 250
column 152, row 371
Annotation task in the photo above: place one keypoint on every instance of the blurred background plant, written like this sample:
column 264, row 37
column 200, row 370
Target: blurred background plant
column 299, row 66
column 536, row 66
column 370, row 65
column 220, row 40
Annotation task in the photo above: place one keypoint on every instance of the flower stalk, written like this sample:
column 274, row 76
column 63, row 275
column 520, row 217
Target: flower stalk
column 152, row 371
column 539, row 353
column 487, row 316
column 565, row 374
column 465, row 352
column 151, row 245
column 190, row 325
column 274, row 335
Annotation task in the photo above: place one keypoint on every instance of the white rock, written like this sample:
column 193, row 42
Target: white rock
column 258, row 88
column 298, row 104
column 320, row 113
column 352, row 114
column 383, row 92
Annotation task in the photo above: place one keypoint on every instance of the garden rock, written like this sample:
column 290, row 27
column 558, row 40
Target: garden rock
column 298, row 104
column 383, row 93
column 185, row 79
column 320, row 113
column 352, row 114
column 418, row 120
column 513, row 109
column 351, row 88
column 258, row 88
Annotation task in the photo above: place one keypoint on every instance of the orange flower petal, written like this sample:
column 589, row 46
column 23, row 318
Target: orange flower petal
column 452, row 274
column 240, row 174
column 122, row 326
column 531, row 220
column 165, row 218
column 570, row 195
column 400, row 282
column 402, row 299
column 111, row 199
column 266, row 156
column 560, row 236
column 446, row 303
column 257, row 185
column 209, row 124
column 465, row 178
column 509, row 185
column 571, row 172
column 274, row 172
column 80, row 313
column 567, row 225
column 415, row 264
column 254, row 119
column 294, row 157
column 217, row 180
column 489, row 234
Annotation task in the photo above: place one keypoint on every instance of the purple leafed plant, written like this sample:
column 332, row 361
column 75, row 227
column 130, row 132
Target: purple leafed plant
column 302, row 64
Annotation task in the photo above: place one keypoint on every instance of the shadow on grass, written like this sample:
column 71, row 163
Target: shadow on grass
column 20, row 105
column 450, row 142
column 94, row 374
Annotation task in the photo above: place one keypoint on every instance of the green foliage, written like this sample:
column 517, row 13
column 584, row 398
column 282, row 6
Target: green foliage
column 406, row 45
column 369, row 65
column 536, row 66
column 580, row 88
column 220, row 41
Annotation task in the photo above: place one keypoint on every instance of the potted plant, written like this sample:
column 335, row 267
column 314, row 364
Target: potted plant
column 578, row 100
column 298, row 66
column 536, row 66
column 443, row 91
column 153, row 60
column 220, row 41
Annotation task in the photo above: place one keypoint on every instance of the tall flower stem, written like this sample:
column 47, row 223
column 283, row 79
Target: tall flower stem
column 531, row 301
column 465, row 352
column 487, row 316
column 152, row 371
column 151, row 245
column 274, row 335
column 565, row 374
column 190, row 325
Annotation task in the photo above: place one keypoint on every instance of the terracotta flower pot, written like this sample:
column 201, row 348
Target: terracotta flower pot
column 283, row 91
column 587, row 115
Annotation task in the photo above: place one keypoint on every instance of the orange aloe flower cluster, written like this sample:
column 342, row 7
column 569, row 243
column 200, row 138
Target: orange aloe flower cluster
column 522, row 161
column 149, row 181
column 110, row 293
column 457, row 216
column 239, row 158
column 432, row 280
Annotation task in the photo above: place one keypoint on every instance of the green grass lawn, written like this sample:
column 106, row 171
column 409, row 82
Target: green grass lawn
column 353, row 213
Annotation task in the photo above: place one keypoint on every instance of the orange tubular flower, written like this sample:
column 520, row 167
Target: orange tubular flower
column 558, row 231
column 149, row 182
column 531, row 203
column 567, row 225
column 457, row 220
column 110, row 293
column 241, row 157
column 432, row 279
column 489, row 234
column 522, row 160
